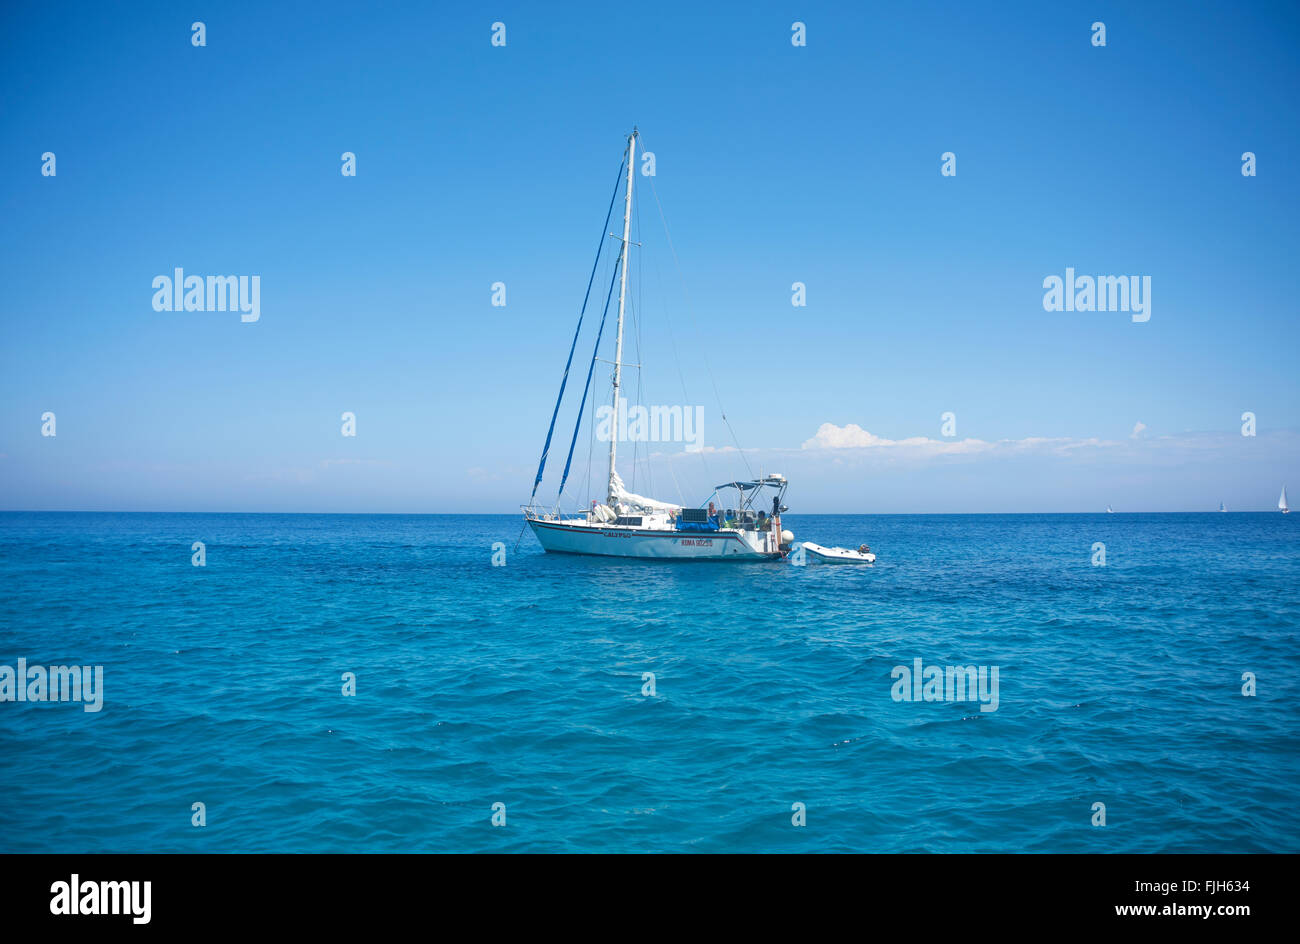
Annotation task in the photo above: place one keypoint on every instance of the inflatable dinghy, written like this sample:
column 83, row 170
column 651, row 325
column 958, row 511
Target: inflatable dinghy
column 836, row 555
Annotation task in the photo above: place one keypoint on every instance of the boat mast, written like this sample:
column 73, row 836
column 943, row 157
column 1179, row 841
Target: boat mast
column 622, row 295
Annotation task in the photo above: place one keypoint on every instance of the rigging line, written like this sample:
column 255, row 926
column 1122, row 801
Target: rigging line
column 677, row 360
column 637, row 321
column 691, row 312
column 591, row 425
column 673, row 475
column 633, row 314
column 587, row 475
column 640, row 292
column 669, row 460
column 591, row 445
column 681, row 377
column 587, row 386
column 636, row 343
column 600, row 247
column 640, row 289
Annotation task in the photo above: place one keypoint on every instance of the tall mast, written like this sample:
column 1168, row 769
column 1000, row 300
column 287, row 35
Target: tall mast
column 622, row 295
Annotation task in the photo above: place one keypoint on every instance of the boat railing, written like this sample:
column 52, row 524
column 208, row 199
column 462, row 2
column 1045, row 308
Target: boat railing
column 542, row 513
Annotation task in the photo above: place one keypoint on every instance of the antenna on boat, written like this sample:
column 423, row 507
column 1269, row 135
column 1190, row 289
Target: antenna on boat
column 622, row 296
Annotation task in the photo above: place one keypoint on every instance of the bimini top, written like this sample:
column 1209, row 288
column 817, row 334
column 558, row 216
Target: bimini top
column 768, row 480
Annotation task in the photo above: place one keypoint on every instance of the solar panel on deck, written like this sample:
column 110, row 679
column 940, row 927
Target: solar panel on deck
column 695, row 515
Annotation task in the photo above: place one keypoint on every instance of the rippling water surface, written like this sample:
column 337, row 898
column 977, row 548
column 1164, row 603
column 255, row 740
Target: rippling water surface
column 522, row 685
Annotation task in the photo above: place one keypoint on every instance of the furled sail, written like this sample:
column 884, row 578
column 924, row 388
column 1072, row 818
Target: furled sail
column 626, row 501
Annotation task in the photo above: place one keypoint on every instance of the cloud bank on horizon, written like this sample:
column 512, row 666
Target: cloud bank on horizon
column 853, row 436
column 845, row 467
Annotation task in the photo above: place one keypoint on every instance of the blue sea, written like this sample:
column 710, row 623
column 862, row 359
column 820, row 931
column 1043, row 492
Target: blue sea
column 522, row 685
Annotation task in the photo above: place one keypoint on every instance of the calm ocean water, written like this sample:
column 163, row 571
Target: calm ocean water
column 522, row 685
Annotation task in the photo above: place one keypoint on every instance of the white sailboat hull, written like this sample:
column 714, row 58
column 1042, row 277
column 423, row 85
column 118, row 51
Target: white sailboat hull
column 562, row 537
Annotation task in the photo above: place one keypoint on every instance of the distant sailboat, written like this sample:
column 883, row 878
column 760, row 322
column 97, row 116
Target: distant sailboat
column 1221, row 508
column 1110, row 510
column 1281, row 502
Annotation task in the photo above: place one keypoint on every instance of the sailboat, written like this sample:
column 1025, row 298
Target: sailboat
column 1221, row 508
column 1281, row 502
column 629, row 525
column 1110, row 510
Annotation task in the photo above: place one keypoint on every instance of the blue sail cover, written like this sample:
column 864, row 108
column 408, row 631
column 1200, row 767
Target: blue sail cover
column 710, row 525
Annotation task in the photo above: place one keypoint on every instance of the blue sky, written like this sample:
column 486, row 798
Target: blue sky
column 774, row 164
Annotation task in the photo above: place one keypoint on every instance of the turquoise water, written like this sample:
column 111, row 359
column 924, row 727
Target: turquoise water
column 522, row 685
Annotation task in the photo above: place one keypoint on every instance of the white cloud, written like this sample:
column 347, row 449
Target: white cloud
column 853, row 436
column 1137, row 430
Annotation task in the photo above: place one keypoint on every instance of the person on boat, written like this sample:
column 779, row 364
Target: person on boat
column 863, row 549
